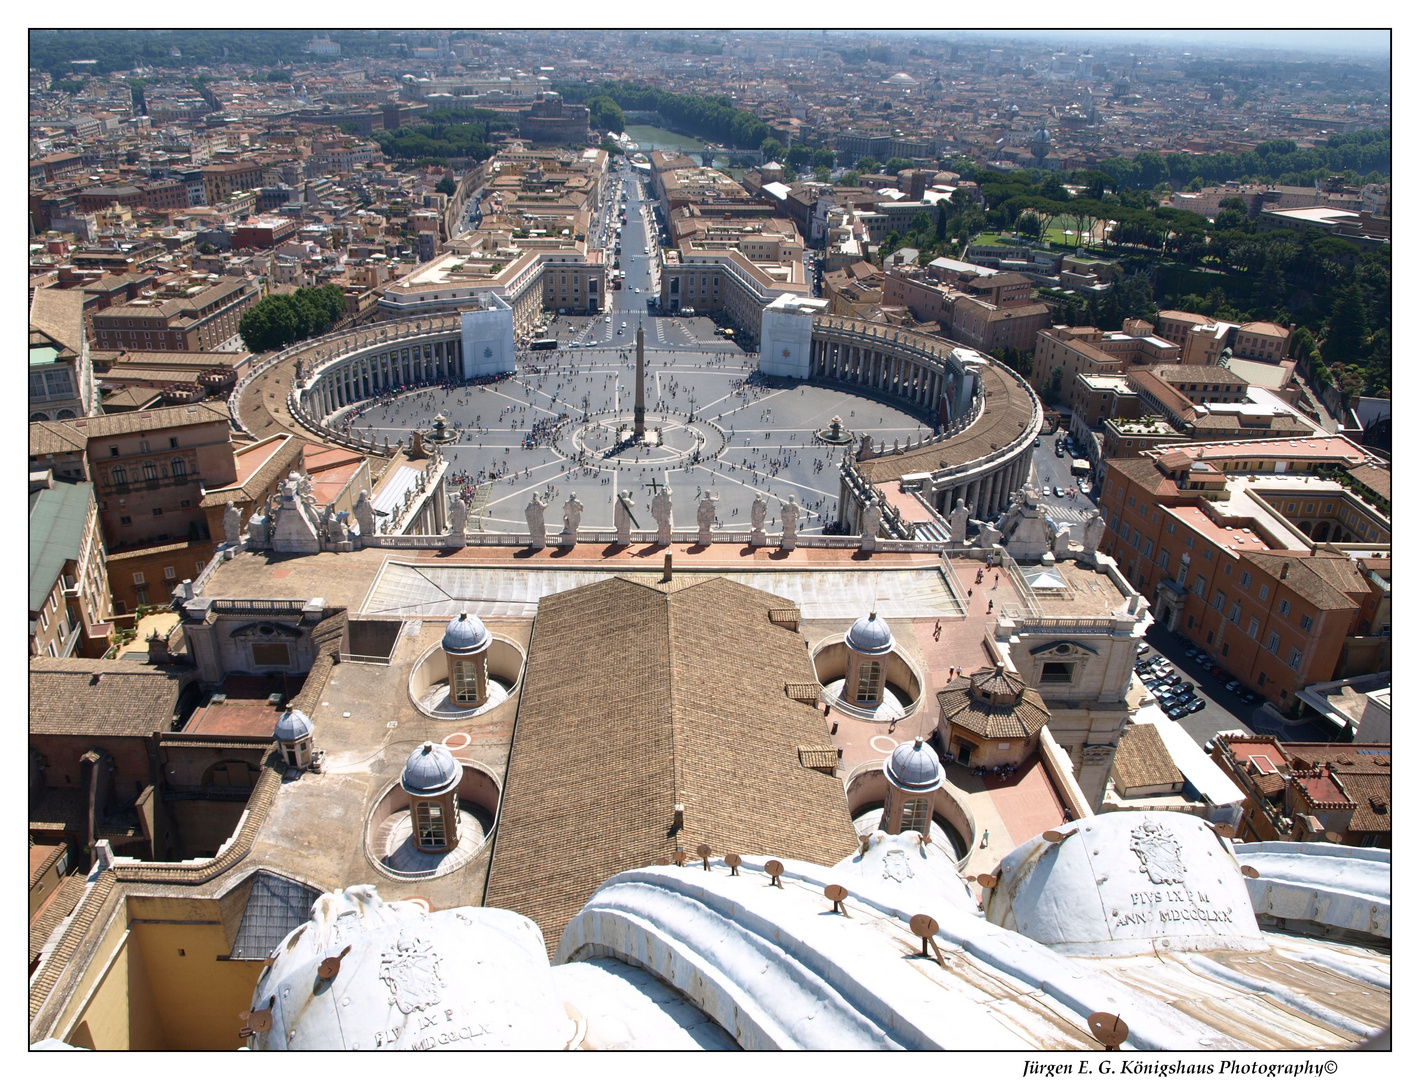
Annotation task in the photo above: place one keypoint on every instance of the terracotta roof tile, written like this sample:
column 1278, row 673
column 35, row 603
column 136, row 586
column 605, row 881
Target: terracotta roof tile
column 639, row 696
column 1142, row 760
column 74, row 696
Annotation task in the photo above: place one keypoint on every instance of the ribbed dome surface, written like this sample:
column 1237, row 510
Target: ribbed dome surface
column 870, row 634
column 914, row 766
column 430, row 770
column 466, row 634
column 293, row 726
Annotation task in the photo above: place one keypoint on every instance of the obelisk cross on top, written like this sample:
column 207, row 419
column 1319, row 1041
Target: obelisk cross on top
column 640, row 428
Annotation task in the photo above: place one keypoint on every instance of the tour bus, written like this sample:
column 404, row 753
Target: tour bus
column 544, row 343
column 1079, row 467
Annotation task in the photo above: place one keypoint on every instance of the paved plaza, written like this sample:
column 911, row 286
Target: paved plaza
column 556, row 427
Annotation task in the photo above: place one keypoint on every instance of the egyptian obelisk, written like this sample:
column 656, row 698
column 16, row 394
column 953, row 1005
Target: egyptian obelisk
column 640, row 428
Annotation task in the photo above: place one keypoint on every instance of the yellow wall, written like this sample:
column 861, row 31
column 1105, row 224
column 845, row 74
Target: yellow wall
column 155, row 998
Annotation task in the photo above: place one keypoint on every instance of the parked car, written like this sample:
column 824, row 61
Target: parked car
column 1059, row 492
column 1142, row 648
column 1248, row 697
column 1218, row 671
column 1059, row 452
column 1233, row 686
column 1197, row 705
column 1178, row 712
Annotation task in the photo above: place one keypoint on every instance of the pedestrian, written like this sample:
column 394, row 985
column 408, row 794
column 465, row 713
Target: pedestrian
column 989, row 605
column 937, row 631
column 968, row 594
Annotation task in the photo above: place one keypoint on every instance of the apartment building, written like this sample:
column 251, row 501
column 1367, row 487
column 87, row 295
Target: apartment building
column 1087, row 350
column 149, row 469
column 68, row 584
column 720, row 277
column 1319, row 792
column 201, row 321
column 220, row 181
column 61, row 374
column 1247, row 550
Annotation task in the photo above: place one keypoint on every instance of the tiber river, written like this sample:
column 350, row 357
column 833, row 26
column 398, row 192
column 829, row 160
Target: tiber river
column 654, row 138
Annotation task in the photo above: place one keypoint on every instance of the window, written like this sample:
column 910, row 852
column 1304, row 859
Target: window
column 179, row 467
column 1262, row 678
column 1225, row 648
column 1148, row 548
column 465, row 682
column 869, row 680
column 185, row 503
column 1164, row 559
column 125, row 520
column 1188, row 541
column 1234, row 613
column 1306, row 622
column 916, row 815
column 150, row 471
column 1262, row 592
column 1055, row 671
column 429, row 820
column 1228, row 569
column 1207, row 554
column 119, row 475
column 1253, row 626
column 1168, row 527
column 1284, row 608
column 157, row 511
column 1210, row 637
column 1245, row 580
column 270, row 654
column 169, row 574
column 1294, row 659
column 1273, row 642
column 1199, row 586
column 1218, row 599
column 138, row 578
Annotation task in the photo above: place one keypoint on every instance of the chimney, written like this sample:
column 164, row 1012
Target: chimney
column 1285, row 568
column 666, row 572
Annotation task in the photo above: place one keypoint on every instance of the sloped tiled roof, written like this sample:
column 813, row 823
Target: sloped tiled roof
column 1142, row 760
column 993, row 704
column 75, row 696
column 640, row 696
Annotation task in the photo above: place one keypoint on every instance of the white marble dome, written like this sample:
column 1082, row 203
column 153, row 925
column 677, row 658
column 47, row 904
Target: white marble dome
column 293, row 726
column 407, row 979
column 870, row 635
column 915, row 766
column 1126, row 885
column 431, row 770
column 465, row 635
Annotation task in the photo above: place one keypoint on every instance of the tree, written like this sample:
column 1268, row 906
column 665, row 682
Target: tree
column 920, row 224
column 772, row 149
column 1052, row 388
column 941, row 221
column 849, row 179
column 895, row 165
column 800, row 156
column 1346, row 330
column 606, row 114
column 823, row 158
column 821, row 173
column 867, row 165
column 446, row 186
column 1028, row 224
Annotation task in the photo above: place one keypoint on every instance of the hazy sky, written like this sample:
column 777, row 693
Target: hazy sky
column 1327, row 41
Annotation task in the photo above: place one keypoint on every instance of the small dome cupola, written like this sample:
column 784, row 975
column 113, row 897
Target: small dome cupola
column 431, row 777
column 296, row 736
column 913, row 773
column 869, row 644
column 466, row 635
column 293, row 726
column 465, row 648
column 914, row 766
column 870, row 635
column 431, row 770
